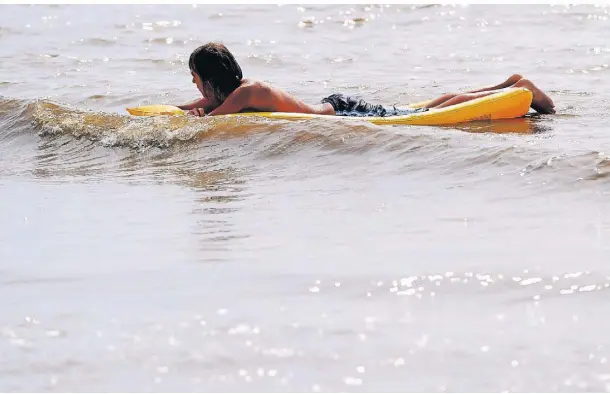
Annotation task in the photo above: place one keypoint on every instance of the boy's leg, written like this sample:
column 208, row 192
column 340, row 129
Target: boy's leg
column 462, row 98
column 541, row 103
column 513, row 79
column 442, row 99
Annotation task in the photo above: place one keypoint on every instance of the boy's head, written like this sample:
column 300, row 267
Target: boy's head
column 215, row 71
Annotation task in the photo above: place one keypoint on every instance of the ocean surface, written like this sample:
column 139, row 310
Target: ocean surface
column 194, row 254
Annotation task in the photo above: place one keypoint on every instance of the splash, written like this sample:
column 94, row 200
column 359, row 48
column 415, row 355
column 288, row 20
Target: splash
column 138, row 133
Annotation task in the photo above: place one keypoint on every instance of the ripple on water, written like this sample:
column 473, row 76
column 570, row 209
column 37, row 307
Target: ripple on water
column 266, row 287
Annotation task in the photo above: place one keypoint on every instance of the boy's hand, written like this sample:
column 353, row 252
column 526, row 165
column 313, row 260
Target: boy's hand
column 197, row 112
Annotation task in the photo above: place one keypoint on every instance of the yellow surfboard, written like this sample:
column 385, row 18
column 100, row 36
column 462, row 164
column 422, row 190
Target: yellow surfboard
column 508, row 104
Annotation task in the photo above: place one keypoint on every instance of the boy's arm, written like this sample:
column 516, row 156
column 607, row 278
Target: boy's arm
column 238, row 100
column 199, row 103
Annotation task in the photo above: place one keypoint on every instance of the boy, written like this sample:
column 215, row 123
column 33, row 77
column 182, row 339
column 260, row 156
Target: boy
column 220, row 81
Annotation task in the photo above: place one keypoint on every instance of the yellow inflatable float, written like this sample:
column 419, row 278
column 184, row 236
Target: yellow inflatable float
column 508, row 104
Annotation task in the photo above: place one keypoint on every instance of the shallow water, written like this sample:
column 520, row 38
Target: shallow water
column 204, row 254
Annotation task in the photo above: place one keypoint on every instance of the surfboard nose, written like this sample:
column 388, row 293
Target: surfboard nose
column 155, row 110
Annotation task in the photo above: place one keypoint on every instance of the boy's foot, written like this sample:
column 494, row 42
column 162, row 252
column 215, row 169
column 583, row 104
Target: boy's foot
column 541, row 102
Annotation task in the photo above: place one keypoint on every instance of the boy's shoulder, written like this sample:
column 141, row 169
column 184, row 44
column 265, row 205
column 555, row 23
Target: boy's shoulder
column 253, row 83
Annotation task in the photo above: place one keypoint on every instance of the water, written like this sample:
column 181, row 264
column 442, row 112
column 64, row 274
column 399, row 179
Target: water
column 173, row 255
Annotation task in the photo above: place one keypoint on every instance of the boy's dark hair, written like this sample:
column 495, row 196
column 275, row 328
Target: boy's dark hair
column 216, row 65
